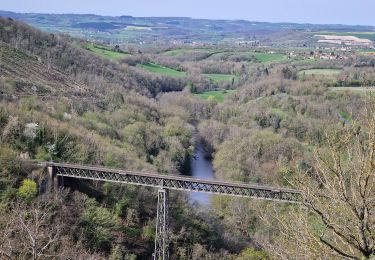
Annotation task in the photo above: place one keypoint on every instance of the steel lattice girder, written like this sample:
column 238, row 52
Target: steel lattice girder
column 176, row 182
column 162, row 227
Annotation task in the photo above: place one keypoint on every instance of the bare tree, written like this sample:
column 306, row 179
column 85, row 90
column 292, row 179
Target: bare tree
column 40, row 230
column 31, row 230
column 6, row 230
column 338, row 216
column 36, row 230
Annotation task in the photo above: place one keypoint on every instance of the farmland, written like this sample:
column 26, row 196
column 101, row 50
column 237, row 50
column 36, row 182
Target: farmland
column 223, row 54
column 166, row 99
column 220, row 77
column 162, row 70
column 158, row 69
column 343, row 40
column 269, row 57
column 320, row 72
column 259, row 57
column 155, row 68
column 217, row 95
column 127, row 28
column 186, row 51
column 105, row 52
column 361, row 35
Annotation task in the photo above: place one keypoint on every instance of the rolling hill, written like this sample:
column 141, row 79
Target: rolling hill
column 151, row 30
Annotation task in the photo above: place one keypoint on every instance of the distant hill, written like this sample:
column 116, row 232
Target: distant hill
column 57, row 64
column 124, row 29
column 46, row 64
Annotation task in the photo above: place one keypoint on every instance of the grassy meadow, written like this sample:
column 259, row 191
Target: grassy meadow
column 261, row 57
column 269, row 57
column 220, row 77
column 155, row 68
column 105, row 52
column 158, row 69
column 217, row 95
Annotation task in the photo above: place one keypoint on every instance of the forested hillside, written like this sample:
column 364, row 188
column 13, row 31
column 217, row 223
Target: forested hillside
column 63, row 104
column 85, row 67
column 262, row 115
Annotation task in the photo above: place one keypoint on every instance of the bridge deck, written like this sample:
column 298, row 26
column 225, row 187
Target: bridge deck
column 174, row 182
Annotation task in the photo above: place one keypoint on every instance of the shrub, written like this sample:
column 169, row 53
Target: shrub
column 9, row 166
column 28, row 190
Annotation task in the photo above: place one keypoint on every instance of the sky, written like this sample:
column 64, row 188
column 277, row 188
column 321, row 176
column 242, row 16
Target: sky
column 352, row 12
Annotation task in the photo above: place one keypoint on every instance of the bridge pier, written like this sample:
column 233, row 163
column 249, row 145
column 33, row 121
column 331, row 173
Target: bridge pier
column 52, row 180
column 162, row 227
column 57, row 171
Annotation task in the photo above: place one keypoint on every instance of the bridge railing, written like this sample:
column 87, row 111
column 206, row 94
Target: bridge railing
column 175, row 182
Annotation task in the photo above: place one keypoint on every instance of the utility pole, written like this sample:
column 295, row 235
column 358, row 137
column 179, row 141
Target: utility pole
column 162, row 227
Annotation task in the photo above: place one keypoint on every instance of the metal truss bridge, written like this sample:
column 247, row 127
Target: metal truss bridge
column 164, row 183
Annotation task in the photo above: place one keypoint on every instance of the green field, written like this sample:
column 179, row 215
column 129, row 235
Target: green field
column 155, row 68
column 261, row 57
column 217, row 95
column 177, row 52
column 269, row 57
column 362, row 35
column 365, row 35
column 105, row 52
column 199, row 53
column 212, row 54
column 217, row 78
column 320, row 72
column 187, row 51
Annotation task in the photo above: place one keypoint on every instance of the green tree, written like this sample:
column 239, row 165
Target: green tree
column 28, row 190
column 99, row 224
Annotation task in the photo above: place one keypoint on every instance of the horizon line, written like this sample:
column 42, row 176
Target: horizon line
column 194, row 18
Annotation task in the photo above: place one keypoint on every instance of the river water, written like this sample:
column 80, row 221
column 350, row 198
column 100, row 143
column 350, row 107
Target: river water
column 201, row 168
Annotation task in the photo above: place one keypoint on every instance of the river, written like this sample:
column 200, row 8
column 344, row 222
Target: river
column 201, row 168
